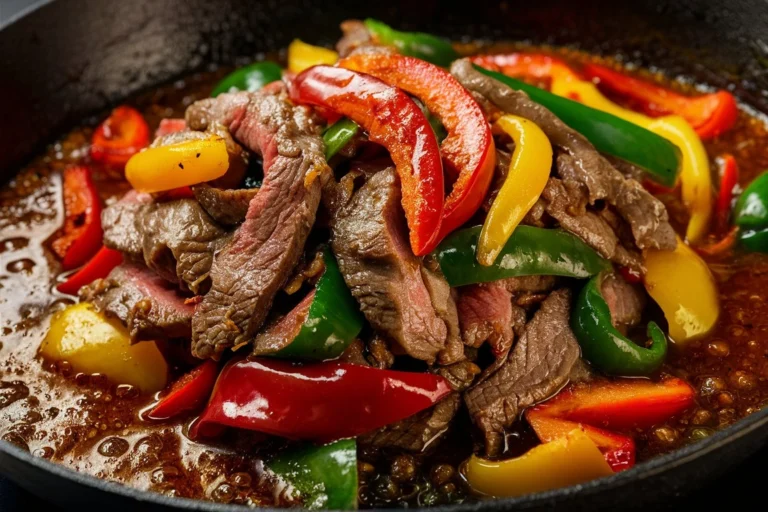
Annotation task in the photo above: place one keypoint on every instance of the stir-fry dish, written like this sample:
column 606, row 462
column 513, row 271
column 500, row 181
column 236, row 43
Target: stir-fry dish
column 403, row 272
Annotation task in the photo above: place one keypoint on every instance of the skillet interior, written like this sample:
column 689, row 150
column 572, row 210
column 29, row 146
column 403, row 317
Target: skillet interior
column 73, row 58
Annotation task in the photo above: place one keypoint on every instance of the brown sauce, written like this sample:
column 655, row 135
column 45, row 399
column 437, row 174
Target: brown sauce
column 95, row 427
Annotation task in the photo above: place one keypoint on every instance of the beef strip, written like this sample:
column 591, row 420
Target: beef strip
column 226, row 206
column 355, row 35
column 625, row 301
column 645, row 214
column 176, row 239
column 149, row 306
column 374, row 257
column 537, row 367
column 247, row 273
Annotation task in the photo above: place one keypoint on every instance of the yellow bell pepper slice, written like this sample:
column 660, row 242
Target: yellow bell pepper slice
column 302, row 56
column 568, row 460
column 92, row 343
column 695, row 175
column 682, row 285
column 527, row 176
column 178, row 165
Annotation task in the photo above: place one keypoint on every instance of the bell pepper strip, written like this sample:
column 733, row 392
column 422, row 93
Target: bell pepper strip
column 530, row 67
column 308, row 402
column 729, row 180
column 682, row 285
column 123, row 134
column 178, row 165
column 709, row 114
column 604, row 346
column 170, row 125
column 568, row 460
column 721, row 246
column 754, row 240
column 751, row 210
column 188, row 393
column 93, row 343
column 324, row 476
column 528, row 174
column 528, row 251
column 619, row 404
column 302, row 56
column 81, row 233
column 414, row 44
column 249, row 78
column 695, row 173
column 97, row 267
column 619, row 450
column 394, row 121
column 608, row 133
column 333, row 319
column 338, row 135
column 468, row 150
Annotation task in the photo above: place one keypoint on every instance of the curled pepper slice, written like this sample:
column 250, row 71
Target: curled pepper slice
column 188, row 393
column 97, row 267
column 302, row 56
column 393, row 120
column 415, row 44
column 123, row 134
column 468, row 150
column 178, row 165
column 682, row 285
column 526, row 179
column 249, row 78
column 709, row 114
column 568, row 460
column 81, row 237
column 751, row 210
column 729, row 179
column 604, row 346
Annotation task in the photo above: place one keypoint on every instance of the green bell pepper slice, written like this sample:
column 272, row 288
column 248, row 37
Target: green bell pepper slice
column 415, row 44
column 609, row 134
column 529, row 251
column 604, row 346
column 754, row 240
column 332, row 322
column 249, row 78
column 751, row 210
column 338, row 135
column 324, row 476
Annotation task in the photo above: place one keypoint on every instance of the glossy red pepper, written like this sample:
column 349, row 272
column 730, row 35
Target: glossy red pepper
column 319, row 402
column 393, row 120
column 468, row 150
column 170, row 125
column 123, row 134
column 536, row 68
column 82, row 233
column 97, row 267
column 729, row 178
column 709, row 114
column 188, row 393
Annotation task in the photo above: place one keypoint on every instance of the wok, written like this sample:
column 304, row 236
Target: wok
column 73, row 58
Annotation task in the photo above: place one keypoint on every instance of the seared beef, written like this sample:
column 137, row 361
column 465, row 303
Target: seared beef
column 247, row 273
column 355, row 36
column 537, row 367
column 149, row 306
column 459, row 375
column 645, row 214
column 371, row 246
column 226, row 206
column 625, row 301
column 283, row 331
column 176, row 239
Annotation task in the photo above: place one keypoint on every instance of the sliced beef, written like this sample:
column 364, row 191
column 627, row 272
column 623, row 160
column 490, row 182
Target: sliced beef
column 148, row 305
column 176, row 239
column 625, row 301
column 371, row 246
column 459, row 375
column 646, row 215
column 537, row 367
column 247, row 273
column 283, row 331
column 225, row 206
column 486, row 314
column 355, row 35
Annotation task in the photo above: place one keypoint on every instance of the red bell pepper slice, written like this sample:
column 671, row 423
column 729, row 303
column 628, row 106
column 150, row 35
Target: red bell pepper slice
column 188, row 393
column 531, row 67
column 729, row 178
column 320, row 402
column 709, row 114
column 97, row 267
column 468, row 150
column 619, row 450
column 123, row 134
column 170, row 125
column 626, row 403
column 82, row 233
column 393, row 120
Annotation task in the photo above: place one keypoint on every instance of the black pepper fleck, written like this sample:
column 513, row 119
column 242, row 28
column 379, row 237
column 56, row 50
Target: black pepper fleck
column 181, row 165
column 197, row 156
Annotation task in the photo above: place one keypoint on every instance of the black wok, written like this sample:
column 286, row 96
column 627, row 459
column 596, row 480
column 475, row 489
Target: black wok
column 73, row 58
